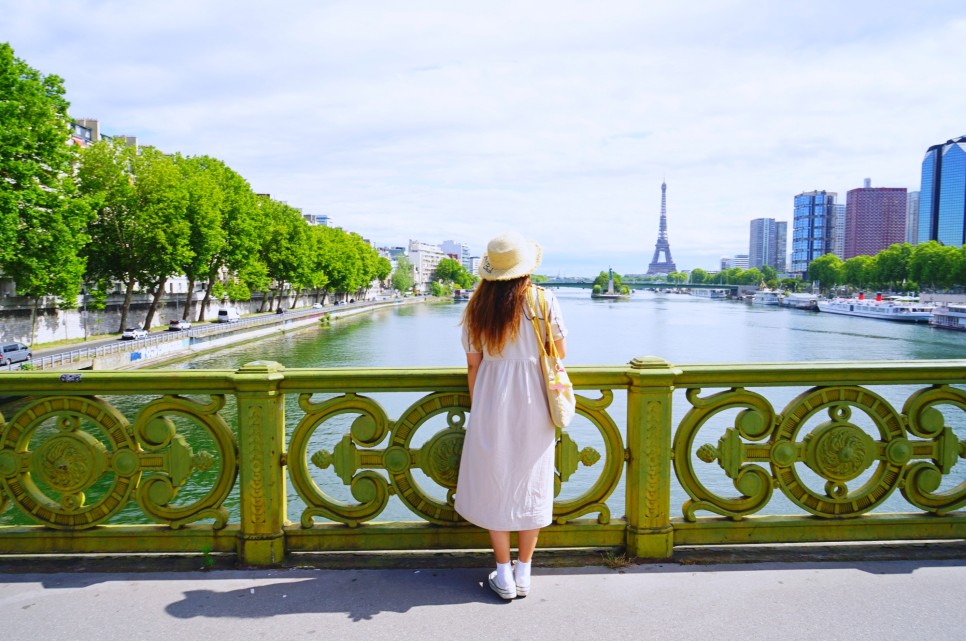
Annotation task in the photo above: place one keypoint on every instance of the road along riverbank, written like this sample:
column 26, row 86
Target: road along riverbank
column 167, row 346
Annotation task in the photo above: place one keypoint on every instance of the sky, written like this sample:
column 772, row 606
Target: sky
column 435, row 121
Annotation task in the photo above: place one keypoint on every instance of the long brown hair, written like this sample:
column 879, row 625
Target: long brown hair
column 492, row 316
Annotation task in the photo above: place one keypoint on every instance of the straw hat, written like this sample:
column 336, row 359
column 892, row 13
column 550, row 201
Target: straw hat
column 509, row 256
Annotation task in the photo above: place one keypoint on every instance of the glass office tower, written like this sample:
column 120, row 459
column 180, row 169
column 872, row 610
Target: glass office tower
column 812, row 228
column 942, row 195
column 766, row 244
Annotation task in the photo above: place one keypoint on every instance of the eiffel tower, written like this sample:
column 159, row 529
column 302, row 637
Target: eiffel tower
column 658, row 266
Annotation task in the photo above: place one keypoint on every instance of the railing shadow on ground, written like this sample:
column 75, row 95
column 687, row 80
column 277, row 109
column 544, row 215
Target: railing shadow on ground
column 349, row 592
column 209, row 458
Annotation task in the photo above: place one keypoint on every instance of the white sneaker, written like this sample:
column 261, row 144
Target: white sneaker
column 509, row 592
column 522, row 582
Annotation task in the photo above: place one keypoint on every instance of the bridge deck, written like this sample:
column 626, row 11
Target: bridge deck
column 671, row 602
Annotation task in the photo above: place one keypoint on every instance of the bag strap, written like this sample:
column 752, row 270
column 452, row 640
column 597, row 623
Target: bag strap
column 547, row 345
column 533, row 316
column 545, row 310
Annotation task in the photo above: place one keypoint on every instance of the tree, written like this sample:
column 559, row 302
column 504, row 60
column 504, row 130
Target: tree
column 402, row 275
column 285, row 246
column 858, row 271
column 750, row 276
column 892, row 265
column 42, row 224
column 241, row 220
column 698, row 276
column 204, row 218
column 161, row 207
column 933, row 265
column 827, row 270
column 451, row 271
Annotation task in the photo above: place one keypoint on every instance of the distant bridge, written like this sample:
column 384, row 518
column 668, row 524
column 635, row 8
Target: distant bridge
column 635, row 285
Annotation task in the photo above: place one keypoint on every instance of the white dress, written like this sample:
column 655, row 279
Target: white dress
column 507, row 466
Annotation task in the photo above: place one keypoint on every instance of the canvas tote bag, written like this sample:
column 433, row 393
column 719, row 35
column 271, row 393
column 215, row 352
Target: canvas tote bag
column 560, row 392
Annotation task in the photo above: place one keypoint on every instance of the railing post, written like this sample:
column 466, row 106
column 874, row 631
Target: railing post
column 649, row 531
column 261, row 475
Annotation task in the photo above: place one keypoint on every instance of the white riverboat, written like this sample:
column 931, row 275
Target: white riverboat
column 717, row 294
column 907, row 310
column 765, row 297
column 950, row 316
column 799, row 300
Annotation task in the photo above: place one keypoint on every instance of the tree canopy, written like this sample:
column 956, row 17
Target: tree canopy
column 42, row 223
column 450, row 270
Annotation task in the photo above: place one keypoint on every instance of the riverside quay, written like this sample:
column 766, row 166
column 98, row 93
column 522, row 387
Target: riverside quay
column 203, row 464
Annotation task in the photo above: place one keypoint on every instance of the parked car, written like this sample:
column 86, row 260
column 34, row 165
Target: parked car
column 133, row 333
column 178, row 325
column 317, row 306
column 280, row 310
column 14, row 353
column 228, row 316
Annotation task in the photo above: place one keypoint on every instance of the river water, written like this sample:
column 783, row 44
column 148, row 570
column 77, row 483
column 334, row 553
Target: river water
column 678, row 328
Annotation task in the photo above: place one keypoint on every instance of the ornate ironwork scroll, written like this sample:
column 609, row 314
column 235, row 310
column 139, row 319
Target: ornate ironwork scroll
column 168, row 460
column 73, row 462
column 355, row 459
column 837, row 450
column 569, row 454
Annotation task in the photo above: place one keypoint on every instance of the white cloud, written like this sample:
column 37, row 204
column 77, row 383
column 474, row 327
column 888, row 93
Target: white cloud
column 431, row 120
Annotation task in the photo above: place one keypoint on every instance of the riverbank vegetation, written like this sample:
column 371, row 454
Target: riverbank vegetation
column 602, row 280
column 450, row 273
column 902, row 267
column 76, row 218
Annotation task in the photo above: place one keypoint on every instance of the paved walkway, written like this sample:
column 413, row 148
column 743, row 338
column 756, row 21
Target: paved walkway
column 817, row 601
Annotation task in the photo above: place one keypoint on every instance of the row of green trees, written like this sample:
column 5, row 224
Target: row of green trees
column 73, row 217
column 900, row 267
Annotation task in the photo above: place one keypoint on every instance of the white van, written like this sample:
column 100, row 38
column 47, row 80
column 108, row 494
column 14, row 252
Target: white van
column 228, row 316
column 14, row 353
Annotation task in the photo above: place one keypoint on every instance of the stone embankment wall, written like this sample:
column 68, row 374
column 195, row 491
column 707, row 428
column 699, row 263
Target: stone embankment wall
column 53, row 324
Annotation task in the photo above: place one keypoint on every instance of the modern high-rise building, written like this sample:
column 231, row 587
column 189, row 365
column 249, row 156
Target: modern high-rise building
column 838, row 230
column 912, row 217
column 942, row 195
column 812, row 228
column 767, row 243
column 875, row 217
column 460, row 250
column 317, row 219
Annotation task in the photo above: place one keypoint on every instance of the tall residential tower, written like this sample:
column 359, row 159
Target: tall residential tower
column 875, row 218
column 766, row 244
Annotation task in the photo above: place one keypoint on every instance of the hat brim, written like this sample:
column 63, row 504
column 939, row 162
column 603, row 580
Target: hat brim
column 524, row 267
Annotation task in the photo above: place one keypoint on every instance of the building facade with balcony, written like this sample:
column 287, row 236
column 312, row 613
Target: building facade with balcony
column 424, row 257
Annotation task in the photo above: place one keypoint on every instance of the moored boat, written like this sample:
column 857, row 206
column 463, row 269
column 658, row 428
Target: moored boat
column 799, row 300
column 765, row 297
column 907, row 310
column 714, row 293
column 950, row 316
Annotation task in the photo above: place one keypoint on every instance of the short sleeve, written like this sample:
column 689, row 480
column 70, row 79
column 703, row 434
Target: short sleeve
column 557, row 326
column 465, row 339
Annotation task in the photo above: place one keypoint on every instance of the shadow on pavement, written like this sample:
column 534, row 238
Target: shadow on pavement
column 361, row 595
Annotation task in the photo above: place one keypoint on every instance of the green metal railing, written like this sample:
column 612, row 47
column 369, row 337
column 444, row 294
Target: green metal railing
column 205, row 460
